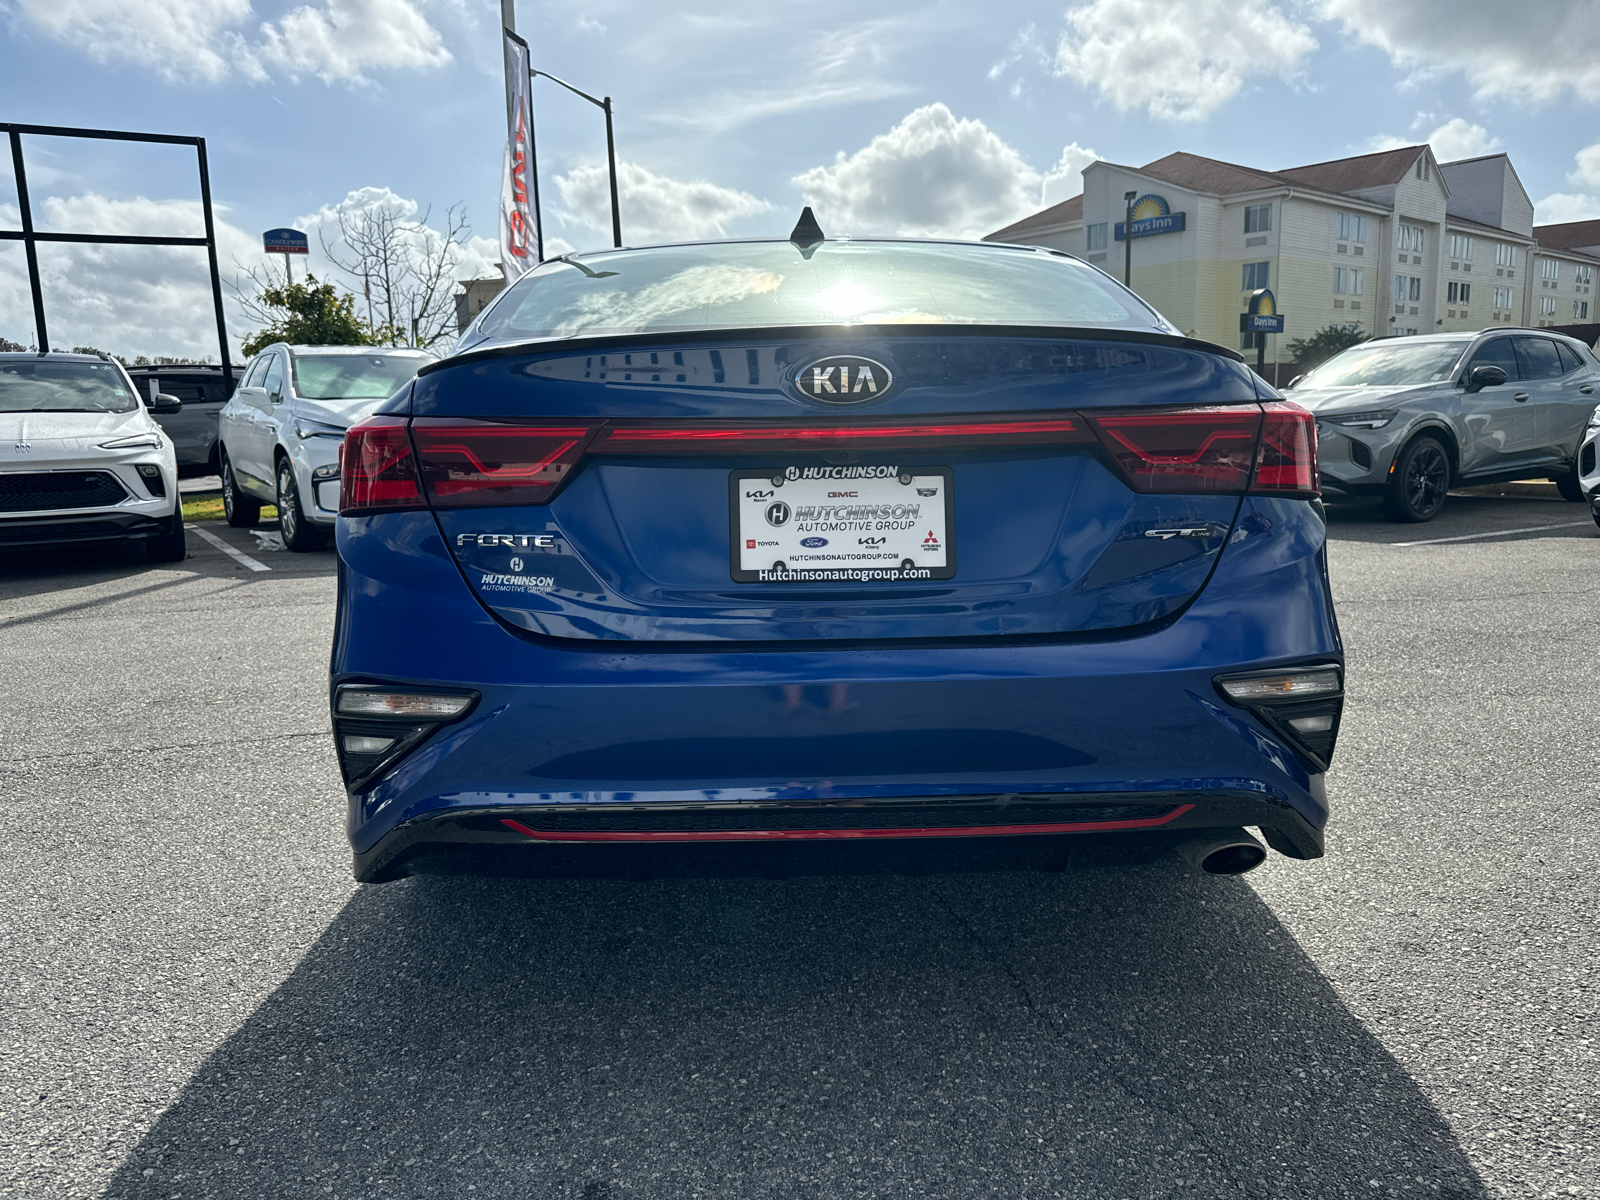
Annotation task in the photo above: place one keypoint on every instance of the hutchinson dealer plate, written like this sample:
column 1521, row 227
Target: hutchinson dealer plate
column 859, row 524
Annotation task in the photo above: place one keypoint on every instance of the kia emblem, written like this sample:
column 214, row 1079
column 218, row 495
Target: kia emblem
column 843, row 379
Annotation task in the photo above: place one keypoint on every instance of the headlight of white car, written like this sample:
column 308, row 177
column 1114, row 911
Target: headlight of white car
column 1594, row 418
column 134, row 441
column 304, row 428
column 1376, row 419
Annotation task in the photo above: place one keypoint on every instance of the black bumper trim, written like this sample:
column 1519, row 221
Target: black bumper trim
column 45, row 531
column 459, row 832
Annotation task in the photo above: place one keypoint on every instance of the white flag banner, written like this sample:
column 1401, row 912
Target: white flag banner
column 519, row 229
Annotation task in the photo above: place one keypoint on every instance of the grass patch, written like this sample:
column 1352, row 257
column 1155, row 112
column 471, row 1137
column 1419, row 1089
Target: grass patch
column 207, row 506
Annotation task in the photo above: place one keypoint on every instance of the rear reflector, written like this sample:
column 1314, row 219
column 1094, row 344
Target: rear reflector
column 377, row 470
column 1204, row 449
column 686, row 438
column 469, row 464
column 1286, row 464
column 405, row 706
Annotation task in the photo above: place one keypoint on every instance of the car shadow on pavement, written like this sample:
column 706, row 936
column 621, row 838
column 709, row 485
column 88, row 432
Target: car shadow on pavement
column 1094, row 1033
column 1463, row 516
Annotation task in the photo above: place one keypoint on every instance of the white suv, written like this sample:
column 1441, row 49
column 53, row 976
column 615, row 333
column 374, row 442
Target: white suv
column 81, row 459
column 279, row 436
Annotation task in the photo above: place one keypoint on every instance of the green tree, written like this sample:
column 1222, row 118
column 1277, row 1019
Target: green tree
column 309, row 314
column 7, row 346
column 1324, row 344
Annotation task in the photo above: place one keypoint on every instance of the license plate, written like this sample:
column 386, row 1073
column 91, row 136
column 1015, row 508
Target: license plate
column 855, row 524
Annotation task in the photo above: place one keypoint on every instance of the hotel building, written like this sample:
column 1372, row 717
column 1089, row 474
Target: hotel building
column 1392, row 243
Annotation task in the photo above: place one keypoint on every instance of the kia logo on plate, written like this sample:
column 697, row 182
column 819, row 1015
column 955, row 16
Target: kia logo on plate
column 843, row 379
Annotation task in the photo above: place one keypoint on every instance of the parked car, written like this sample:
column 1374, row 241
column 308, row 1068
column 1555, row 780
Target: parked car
column 810, row 540
column 1406, row 419
column 1588, row 468
column 82, row 459
column 279, row 435
column 193, row 429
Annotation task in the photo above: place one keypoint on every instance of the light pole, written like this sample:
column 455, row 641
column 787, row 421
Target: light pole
column 1127, row 240
column 611, row 148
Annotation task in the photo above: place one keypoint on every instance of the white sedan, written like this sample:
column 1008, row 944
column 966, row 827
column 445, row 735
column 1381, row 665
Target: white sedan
column 279, row 435
column 81, row 459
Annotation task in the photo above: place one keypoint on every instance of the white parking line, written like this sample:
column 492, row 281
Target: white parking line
column 242, row 559
column 1472, row 537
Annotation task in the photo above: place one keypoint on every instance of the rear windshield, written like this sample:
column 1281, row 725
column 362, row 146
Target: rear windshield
column 1387, row 364
column 353, row 376
column 742, row 285
column 40, row 385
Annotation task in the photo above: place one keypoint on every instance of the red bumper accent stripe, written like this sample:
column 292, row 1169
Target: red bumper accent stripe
column 791, row 835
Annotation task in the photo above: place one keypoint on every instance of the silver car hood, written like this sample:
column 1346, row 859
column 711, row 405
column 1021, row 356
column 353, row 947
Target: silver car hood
column 1357, row 399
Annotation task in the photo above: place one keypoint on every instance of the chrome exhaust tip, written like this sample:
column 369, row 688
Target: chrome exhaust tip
column 1223, row 851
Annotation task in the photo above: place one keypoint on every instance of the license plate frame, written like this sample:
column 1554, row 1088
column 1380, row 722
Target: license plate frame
column 812, row 484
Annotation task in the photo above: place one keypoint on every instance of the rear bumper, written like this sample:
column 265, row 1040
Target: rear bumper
column 471, row 838
column 973, row 741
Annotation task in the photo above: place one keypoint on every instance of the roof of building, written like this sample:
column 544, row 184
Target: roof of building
column 1201, row 174
column 1568, row 235
column 1057, row 214
column 1456, row 219
column 1364, row 171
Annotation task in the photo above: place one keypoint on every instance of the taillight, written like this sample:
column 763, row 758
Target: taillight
column 1207, row 449
column 1286, row 464
column 467, row 464
column 377, row 469
column 687, row 438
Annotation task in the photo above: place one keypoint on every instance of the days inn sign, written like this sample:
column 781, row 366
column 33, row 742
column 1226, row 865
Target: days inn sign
column 1150, row 217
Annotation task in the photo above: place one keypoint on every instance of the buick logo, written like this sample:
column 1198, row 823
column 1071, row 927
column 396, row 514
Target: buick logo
column 843, row 379
column 777, row 513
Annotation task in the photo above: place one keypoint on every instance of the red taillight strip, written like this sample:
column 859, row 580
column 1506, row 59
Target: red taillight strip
column 780, row 835
column 639, row 438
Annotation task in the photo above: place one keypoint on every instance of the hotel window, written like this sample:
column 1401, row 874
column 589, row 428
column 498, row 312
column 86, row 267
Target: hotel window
column 1257, row 218
column 1459, row 293
column 1255, row 276
column 1460, row 247
column 1504, row 255
column 1547, row 306
column 1352, row 228
column 1583, row 275
column 1550, row 268
column 1347, row 281
column 1095, row 236
column 1408, row 287
column 1410, row 237
column 1502, row 297
column 1580, row 310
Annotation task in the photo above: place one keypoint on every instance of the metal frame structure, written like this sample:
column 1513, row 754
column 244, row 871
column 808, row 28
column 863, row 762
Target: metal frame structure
column 31, row 237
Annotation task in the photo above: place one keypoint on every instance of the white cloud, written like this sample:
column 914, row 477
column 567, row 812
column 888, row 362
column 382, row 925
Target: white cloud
column 125, row 299
column 343, row 41
column 206, row 40
column 1065, row 180
column 1456, row 138
column 933, row 175
column 1177, row 61
column 1537, row 55
column 655, row 208
column 1582, row 204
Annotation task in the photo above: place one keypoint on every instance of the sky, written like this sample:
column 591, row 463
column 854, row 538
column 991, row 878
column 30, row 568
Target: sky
column 944, row 118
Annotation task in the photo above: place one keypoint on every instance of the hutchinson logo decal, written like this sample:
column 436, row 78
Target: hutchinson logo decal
column 843, row 379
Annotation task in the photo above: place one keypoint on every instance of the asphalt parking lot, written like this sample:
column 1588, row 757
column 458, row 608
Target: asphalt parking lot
column 200, row 1003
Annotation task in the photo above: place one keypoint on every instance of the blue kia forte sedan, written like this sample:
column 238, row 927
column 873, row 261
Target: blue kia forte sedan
column 819, row 540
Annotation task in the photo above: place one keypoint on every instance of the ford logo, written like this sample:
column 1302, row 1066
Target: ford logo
column 843, row 379
column 813, row 543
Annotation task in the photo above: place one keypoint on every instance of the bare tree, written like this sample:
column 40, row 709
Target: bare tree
column 406, row 269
